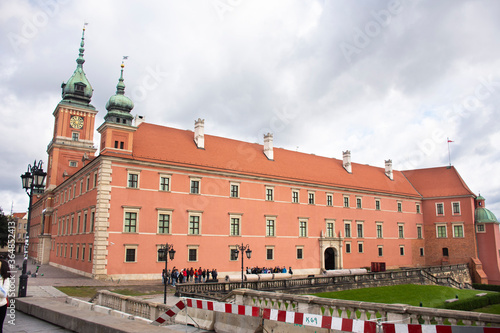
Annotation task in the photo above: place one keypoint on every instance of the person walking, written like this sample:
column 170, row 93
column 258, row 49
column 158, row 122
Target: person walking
column 4, row 290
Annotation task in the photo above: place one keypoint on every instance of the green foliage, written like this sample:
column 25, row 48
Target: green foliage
column 491, row 287
column 4, row 229
column 474, row 302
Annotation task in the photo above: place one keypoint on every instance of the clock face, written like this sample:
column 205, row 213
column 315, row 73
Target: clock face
column 76, row 122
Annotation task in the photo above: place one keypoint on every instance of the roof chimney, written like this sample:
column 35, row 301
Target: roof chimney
column 139, row 120
column 199, row 133
column 268, row 146
column 347, row 161
column 388, row 169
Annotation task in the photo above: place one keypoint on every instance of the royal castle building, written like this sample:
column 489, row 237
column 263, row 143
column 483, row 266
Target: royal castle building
column 105, row 213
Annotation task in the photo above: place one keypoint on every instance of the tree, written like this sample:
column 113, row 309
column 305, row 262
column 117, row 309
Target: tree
column 4, row 229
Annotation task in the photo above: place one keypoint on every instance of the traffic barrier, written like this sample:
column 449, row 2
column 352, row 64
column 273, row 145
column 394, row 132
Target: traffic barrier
column 320, row 321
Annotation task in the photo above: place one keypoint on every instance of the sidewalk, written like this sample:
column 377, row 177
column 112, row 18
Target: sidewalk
column 43, row 287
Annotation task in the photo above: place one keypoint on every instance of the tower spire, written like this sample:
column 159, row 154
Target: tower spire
column 119, row 105
column 78, row 88
column 80, row 60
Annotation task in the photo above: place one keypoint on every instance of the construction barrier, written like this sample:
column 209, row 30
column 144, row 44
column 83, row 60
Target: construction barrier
column 320, row 321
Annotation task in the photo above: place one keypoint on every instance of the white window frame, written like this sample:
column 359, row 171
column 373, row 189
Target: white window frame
column 439, row 225
column 311, row 197
column 194, row 179
column 235, row 216
column 359, row 202
column 193, row 247
column 461, row 224
column 303, row 221
column 421, row 228
column 131, row 210
column 360, row 223
column 361, row 247
column 348, row 223
column 453, row 208
column 348, row 246
column 380, row 250
column 270, row 189
column 165, row 176
column 194, row 213
column 127, row 247
column 301, row 248
column 138, row 174
column 231, row 256
column 164, row 211
column 401, row 227
column 329, row 199
column 402, row 250
column 231, row 185
column 271, row 218
column 379, row 204
column 297, row 192
column 439, row 204
column 332, row 222
column 270, row 247
column 381, row 224
column 480, row 225
column 344, row 197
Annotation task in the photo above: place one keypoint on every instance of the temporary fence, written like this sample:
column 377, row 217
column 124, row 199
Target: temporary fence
column 319, row 321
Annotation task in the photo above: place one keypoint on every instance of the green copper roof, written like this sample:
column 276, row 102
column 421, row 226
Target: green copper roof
column 484, row 215
column 119, row 105
column 78, row 88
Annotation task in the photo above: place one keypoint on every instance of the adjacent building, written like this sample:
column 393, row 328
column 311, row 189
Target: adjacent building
column 106, row 213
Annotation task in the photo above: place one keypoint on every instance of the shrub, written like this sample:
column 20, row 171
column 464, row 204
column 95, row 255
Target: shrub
column 491, row 287
column 474, row 303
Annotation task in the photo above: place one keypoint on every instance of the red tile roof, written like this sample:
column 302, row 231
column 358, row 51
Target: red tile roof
column 176, row 147
column 438, row 182
column 19, row 215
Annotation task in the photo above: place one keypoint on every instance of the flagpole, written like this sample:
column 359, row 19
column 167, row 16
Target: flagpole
column 449, row 154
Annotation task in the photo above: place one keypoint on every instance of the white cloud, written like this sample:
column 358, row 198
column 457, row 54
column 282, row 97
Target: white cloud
column 254, row 66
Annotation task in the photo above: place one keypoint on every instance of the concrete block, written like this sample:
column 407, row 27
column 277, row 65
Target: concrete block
column 101, row 309
column 229, row 323
column 451, row 300
column 121, row 314
column 481, row 294
column 81, row 304
column 203, row 319
column 144, row 320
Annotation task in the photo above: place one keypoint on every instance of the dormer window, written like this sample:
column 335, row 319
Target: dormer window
column 79, row 88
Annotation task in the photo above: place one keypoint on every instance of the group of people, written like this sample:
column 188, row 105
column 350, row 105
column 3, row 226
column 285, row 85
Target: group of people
column 189, row 275
column 266, row 270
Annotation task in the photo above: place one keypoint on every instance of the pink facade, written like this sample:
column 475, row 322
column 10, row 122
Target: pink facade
column 107, row 215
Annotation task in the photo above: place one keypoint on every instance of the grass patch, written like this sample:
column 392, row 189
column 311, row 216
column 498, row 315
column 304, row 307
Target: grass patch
column 91, row 291
column 412, row 294
column 79, row 291
column 492, row 309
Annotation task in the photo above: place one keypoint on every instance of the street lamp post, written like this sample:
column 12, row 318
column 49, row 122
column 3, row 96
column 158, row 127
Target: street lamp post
column 165, row 252
column 33, row 184
column 248, row 252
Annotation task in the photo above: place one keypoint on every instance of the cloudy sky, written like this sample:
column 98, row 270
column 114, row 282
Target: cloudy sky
column 383, row 79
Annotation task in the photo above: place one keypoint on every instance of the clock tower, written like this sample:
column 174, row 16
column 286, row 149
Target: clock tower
column 73, row 139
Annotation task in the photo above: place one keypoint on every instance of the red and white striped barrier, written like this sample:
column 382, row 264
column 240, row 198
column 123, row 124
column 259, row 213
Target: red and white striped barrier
column 169, row 314
column 290, row 317
column 415, row 328
column 341, row 324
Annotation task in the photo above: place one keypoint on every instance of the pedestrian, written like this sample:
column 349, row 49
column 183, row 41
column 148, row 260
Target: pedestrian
column 4, row 290
column 214, row 275
column 204, row 274
column 290, row 270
